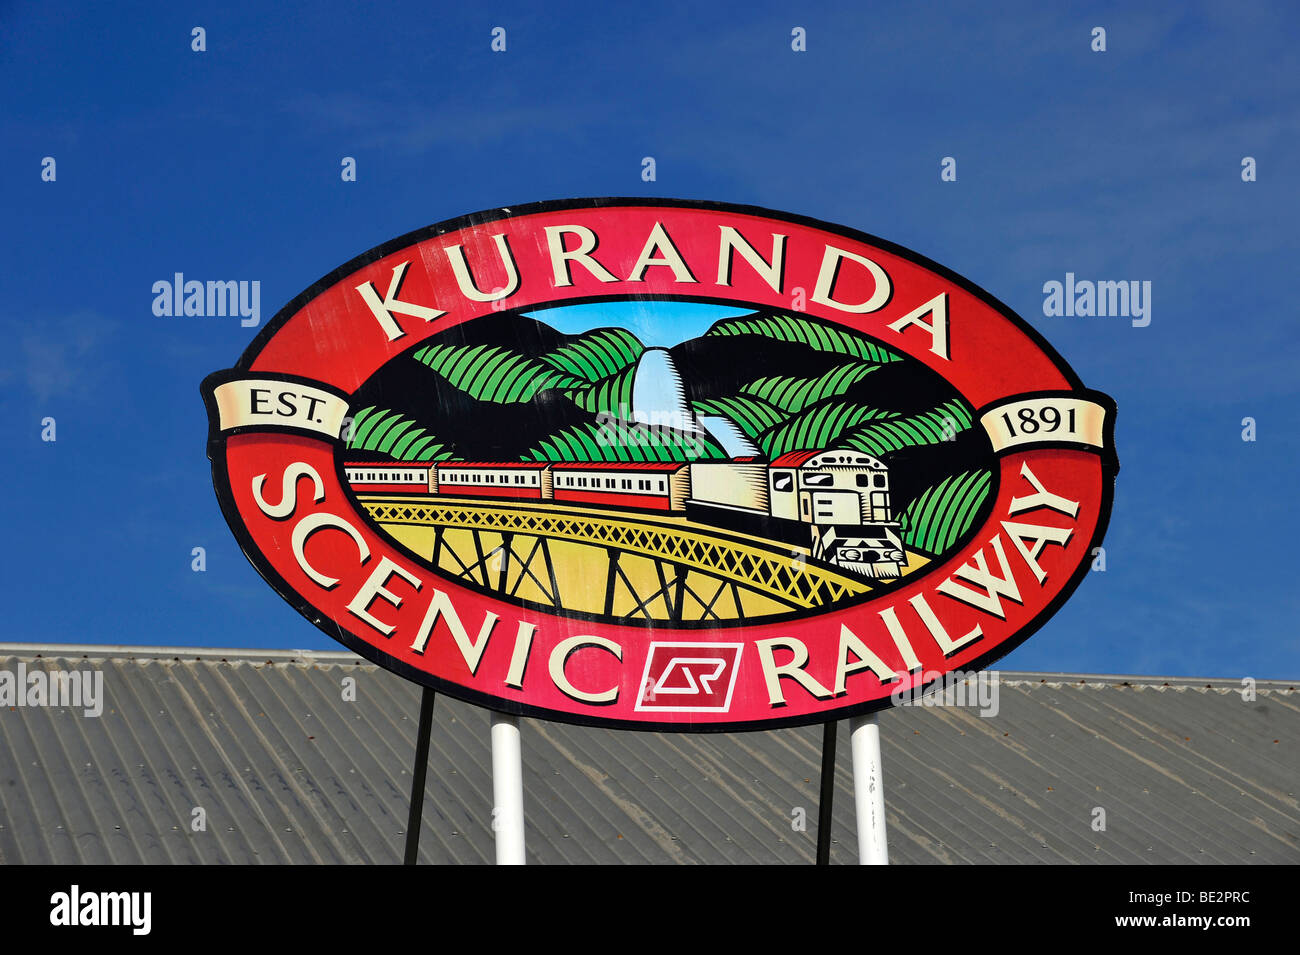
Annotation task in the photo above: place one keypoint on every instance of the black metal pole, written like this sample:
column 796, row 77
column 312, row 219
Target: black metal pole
column 416, row 813
column 827, row 800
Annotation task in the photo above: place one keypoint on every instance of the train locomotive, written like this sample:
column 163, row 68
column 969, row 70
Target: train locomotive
column 834, row 503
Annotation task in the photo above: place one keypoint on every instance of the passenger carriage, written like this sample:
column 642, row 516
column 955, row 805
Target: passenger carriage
column 648, row 486
column 510, row 480
column 389, row 477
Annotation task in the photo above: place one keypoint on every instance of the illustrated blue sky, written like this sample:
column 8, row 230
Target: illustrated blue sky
column 225, row 164
column 661, row 323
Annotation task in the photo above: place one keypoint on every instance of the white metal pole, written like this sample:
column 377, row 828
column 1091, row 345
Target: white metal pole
column 868, row 790
column 507, row 790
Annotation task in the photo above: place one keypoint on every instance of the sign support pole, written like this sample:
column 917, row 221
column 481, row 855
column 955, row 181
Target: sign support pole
column 868, row 789
column 416, row 812
column 507, row 790
column 826, row 802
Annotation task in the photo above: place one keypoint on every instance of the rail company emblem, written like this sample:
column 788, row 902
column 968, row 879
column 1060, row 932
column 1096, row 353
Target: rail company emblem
column 661, row 464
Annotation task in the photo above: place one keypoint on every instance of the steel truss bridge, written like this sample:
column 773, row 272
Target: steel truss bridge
column 617, row 564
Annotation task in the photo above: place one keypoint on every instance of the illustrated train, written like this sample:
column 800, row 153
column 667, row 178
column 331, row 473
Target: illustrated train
column 835, row 503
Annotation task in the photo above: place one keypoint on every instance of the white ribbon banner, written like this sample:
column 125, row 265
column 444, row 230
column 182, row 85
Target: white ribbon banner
column 263, row 402
column 1045, row 419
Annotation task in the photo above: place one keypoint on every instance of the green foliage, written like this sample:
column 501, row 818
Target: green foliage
column 752, row 415
column 609, row 395
column 388, row 432
column 807, row 331
column 597, row 354
column 796, row 394
column 943, row 514
column 931, row 427
column 496, row 374
column 490, row 373
column 619, row 441
column 818, row 428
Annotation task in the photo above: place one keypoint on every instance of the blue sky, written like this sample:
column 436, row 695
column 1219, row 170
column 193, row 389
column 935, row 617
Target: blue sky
column 225, row 165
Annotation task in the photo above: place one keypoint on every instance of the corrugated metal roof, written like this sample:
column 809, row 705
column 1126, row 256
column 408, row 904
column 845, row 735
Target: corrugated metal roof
column 287, row 770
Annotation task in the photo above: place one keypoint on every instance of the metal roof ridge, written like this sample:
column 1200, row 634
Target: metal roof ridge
column 120, row 651
column 253, row 654
column 1150, row 679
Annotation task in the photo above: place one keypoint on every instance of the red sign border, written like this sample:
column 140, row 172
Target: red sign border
column 370, row 651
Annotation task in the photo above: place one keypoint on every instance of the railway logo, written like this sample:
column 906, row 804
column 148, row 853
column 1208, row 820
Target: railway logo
column 661, row 464
column 684, row 677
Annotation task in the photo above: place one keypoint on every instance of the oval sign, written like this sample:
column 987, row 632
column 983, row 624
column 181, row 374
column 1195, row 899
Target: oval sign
column 661, row 465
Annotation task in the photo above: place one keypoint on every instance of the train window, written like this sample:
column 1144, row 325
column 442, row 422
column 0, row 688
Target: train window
column 627, row 485
column 880, row 480
column 818, row 480
column 864, row 480
column 661, row 485
column 782, row 481
column 609, row 482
